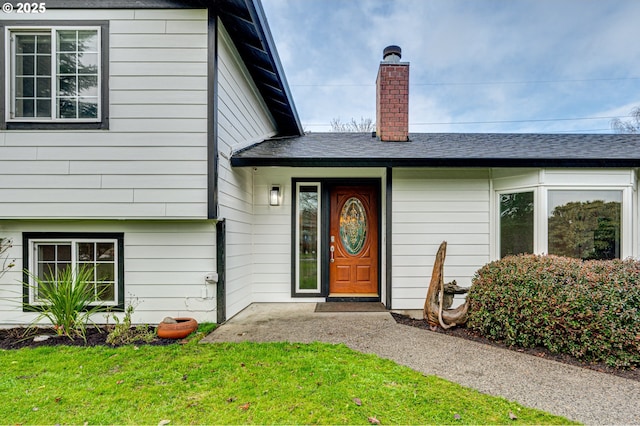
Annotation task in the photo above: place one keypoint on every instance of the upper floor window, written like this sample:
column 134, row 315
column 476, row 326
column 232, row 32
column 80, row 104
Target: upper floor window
column 56, row 77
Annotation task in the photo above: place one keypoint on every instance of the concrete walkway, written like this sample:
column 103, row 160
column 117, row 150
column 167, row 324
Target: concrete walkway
column 579, row 394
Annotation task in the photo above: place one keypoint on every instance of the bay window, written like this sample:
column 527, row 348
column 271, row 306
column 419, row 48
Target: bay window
column 584, row 224
column 565, row 214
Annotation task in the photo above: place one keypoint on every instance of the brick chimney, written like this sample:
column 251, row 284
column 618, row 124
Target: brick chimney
column 392, row 97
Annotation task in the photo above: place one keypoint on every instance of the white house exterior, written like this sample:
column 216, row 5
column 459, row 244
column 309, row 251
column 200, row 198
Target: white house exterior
column 487, row 195
column 155, row 159
column 140, row 179
column 428, row 205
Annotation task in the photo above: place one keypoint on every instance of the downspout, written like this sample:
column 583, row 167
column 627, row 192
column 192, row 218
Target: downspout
column 221, row 261
column 212, row 112
column 213, row 208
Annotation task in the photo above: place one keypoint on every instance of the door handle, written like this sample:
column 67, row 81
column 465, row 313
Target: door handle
column 331, row 250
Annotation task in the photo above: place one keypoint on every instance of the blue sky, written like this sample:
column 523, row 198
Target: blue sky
column 542, row 66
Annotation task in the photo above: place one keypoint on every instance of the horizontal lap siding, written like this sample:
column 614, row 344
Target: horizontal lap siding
column 243, row 119
column 588, row 177
column 431, row 206
column 272, row 239
column 165, row 264
column 152, row 162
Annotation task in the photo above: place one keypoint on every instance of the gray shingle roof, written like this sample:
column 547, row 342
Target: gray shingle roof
column 446, row 150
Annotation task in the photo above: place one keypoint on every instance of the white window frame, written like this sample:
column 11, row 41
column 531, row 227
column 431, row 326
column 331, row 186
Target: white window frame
column 10, row 64
column 575, row 182
column 536, row 210
column 33, row 264
column 626, row 208
column 299, row 290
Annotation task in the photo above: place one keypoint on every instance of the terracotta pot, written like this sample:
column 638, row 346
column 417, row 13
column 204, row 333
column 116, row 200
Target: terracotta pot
column 182, row 328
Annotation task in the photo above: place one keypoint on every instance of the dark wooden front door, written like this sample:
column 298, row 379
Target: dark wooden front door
column 353, row 241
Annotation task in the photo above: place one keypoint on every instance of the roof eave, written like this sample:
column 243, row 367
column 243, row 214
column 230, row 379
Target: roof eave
column 126, row 4
column 280, row 101
column 435, row 162
column 255, row 28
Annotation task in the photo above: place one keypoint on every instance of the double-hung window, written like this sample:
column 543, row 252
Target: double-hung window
column 48, row 255
column 56, row 76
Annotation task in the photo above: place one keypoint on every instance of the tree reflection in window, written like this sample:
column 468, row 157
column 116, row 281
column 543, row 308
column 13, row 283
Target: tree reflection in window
column 72, row 85
column 586, row 229
column 77, row 73
column 308, row 237
column 516, row 223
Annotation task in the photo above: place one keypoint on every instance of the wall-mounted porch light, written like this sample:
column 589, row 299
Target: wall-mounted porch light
column 274, row 195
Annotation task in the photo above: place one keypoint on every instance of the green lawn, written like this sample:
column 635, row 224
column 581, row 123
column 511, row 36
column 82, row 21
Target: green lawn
column 242, row 383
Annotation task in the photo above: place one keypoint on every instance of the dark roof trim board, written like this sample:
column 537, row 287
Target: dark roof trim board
column 126, row 4
column 445, row 150
column 247, row 26
column 454, row 162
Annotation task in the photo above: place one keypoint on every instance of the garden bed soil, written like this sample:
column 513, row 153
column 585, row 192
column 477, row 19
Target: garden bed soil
column 16, row 338
column 465, row 333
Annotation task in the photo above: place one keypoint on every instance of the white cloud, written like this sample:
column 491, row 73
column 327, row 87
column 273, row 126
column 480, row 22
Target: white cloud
column 570, row 51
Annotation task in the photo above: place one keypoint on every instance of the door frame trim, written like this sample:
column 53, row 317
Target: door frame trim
column 325, row 185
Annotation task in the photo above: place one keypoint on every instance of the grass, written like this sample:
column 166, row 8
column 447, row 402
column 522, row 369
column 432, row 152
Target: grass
column 243, row 383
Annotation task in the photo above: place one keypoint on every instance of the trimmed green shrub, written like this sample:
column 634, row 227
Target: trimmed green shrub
column 588, row 309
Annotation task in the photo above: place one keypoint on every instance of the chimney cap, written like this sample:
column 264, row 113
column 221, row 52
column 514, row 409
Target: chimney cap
column 392, row 50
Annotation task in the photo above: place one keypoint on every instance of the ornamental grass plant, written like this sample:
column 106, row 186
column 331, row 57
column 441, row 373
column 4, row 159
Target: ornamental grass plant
column 587, row 309
column 66, row 299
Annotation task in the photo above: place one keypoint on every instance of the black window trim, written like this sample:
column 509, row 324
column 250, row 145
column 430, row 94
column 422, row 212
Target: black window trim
column 26, row 259
column 322, row 292
column 102, row 124
column 325, row 185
